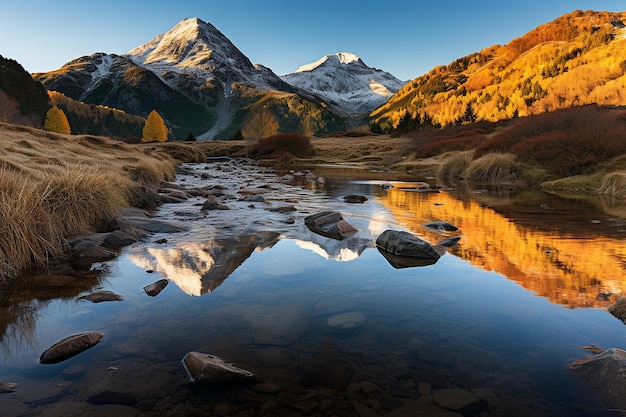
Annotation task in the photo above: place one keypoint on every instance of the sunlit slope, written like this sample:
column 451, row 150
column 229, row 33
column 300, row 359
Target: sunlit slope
column 577, row 59
column 565, row 267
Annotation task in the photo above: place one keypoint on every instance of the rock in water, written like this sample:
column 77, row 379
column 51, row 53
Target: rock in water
column 69, row 347
column 101, row 296
column 405, row 244
column 604, row 373
column 346, row 321
column 355, row 199
column 6, row 386
column 203, row 367
column 441, row 226
column 330, row 224
column 449, row 242
column 156, row 287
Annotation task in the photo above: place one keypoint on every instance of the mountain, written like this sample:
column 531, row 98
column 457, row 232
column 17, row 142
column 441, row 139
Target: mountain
column 199, row 82
column 344, row 82
column 577, row 59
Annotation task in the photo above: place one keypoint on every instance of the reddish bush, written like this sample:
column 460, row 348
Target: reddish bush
column 565, row 142
column 282, row 145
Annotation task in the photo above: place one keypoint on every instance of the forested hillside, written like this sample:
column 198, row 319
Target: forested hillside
column 22, row 99
column 577, row 59
column 92, row 119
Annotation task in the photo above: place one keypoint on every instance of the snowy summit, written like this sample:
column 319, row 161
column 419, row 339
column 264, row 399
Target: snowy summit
column 343, row 81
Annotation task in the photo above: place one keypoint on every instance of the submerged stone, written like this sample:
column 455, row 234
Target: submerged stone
column 156, row 287
column 6, row 386
column 70, row 346
column 346, row 321
column 441, row 226
column 449, row 242
column 101, row 296
column 202, row 367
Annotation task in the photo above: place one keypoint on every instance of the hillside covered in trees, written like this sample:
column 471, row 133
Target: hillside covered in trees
column 22, row 100
column 93, row 119
column 577, row 59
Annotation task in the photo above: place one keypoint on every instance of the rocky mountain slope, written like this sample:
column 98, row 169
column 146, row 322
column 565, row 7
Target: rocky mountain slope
column 344, row 82
column 201, row 83
column 577, row 59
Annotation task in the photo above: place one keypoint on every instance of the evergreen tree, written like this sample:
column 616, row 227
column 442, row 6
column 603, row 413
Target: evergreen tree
column 56, row 121
column 154, row 130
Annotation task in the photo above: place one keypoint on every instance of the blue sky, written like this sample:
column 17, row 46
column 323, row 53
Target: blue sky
column 405, row 37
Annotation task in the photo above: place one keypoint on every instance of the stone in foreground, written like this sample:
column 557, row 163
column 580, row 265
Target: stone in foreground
column 604, row 373
column 330, row 224
column 396, row 245
column 6, row 386
column 202, row 367
column 70, row 346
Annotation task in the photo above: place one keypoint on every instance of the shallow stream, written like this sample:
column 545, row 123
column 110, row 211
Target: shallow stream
column 501, row 315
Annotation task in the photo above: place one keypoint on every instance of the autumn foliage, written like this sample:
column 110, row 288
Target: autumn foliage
column 565, row 142
column 155, row 129
column 578, row 59
column 56, row 121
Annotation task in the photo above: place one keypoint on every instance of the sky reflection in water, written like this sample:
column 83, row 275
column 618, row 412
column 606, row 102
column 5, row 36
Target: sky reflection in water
column 499, row 311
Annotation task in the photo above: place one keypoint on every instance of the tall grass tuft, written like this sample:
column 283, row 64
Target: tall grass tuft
column 493, row 168
column 82, row 199
column 28, row 234
column 613, row 185
column 454, row 165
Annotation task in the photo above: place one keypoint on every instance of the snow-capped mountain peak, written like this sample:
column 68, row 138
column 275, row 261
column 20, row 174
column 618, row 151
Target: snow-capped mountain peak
column 331, row 59
column 343, row 81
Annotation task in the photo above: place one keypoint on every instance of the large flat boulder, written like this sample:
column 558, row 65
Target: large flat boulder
column 405, row 245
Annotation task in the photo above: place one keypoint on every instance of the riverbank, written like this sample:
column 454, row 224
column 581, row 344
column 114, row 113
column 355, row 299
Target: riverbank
column 55, row 187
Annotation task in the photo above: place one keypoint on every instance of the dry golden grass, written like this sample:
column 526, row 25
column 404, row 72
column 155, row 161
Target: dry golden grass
column 613, row 185
column 495, row 168
column 454, row 165
column 53, row 187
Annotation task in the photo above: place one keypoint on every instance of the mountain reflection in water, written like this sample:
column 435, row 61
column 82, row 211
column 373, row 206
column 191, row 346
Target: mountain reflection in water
column 199, row 268
column 561, row 253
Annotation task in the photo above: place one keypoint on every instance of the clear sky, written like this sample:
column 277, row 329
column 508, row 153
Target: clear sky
column 404, row 37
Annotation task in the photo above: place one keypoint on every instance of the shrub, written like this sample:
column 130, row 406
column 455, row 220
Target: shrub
column 613, row 185
column 282, row 145
column 496, row 168
column 454, row 165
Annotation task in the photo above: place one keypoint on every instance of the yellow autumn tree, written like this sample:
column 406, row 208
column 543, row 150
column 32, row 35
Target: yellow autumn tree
column 56, row 121
column 154, row 130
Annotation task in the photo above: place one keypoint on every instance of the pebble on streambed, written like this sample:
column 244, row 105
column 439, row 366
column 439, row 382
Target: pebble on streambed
column 69, row 347
column 202, row 367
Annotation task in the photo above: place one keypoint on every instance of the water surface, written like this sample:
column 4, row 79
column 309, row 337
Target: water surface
column 501, row 314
